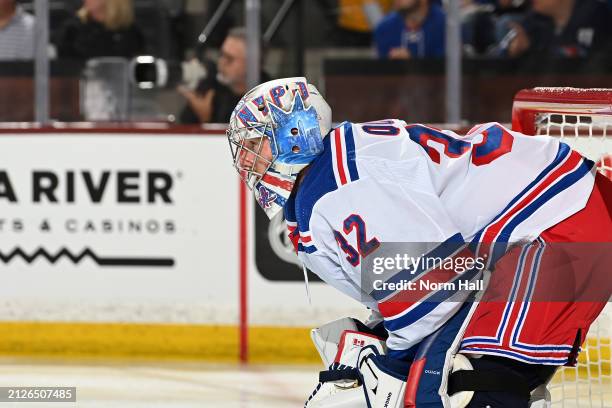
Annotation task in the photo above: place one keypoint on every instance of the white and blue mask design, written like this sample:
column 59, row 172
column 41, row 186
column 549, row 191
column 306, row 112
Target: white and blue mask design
column 296, row 136
column 294, row 118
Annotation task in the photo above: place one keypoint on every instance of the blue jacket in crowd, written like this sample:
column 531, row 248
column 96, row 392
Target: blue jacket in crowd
column 427, row 41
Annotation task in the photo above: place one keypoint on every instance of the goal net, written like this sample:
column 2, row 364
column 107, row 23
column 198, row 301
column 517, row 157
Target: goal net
column 582, row 118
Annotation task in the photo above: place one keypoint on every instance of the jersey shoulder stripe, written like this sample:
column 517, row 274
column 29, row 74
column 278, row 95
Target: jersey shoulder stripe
column 342, row 145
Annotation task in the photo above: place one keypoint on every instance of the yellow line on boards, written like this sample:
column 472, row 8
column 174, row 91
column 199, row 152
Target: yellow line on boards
column 154, row 341
column 278, row 345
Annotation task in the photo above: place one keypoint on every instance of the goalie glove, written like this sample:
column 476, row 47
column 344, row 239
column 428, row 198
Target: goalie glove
column 339, row 344
column 327, row 337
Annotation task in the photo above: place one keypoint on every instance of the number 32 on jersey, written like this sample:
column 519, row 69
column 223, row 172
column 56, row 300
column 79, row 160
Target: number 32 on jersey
column 365, row 246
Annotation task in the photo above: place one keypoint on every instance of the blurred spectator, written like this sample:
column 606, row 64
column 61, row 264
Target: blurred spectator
column 563, row 28
column 508, row 14
column 477, row 26
column 358, row 18
column 511, row 6
column 101, row 28
column 216, row 95
column 415, row 30
column 16, row 32
column 485, row 23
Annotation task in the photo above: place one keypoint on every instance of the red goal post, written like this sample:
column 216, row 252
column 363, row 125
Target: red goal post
column 581, row 117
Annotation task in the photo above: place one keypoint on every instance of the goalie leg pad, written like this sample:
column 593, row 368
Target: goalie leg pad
column 328, row 337
column 431, row 367
column 383, row 380
column 502, row 382
column 351, row 398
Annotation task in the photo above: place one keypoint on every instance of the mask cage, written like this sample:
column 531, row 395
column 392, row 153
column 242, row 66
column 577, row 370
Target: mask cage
column 237, row 138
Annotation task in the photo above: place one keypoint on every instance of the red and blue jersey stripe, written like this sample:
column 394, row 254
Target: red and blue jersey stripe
column 567, row 168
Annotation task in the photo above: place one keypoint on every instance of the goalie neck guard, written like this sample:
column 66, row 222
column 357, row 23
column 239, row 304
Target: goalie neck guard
column 293, row 117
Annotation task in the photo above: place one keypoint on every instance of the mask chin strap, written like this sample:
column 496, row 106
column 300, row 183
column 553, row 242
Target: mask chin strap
column 306, row 283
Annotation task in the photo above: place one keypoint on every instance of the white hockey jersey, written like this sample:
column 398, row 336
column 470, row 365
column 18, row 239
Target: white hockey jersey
column 387, row 181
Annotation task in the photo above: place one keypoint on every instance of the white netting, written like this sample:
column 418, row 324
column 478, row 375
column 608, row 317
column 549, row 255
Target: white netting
column 591, row 135
column 589, row 384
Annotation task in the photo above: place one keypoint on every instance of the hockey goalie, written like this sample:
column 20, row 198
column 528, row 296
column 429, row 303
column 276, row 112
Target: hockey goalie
column 366, row 203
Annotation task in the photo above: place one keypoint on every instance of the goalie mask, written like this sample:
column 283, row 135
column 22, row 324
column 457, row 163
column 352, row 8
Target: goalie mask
column 275, row 131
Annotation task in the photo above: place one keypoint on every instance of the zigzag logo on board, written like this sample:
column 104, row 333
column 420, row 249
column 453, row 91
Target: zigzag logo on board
column 85, row 253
